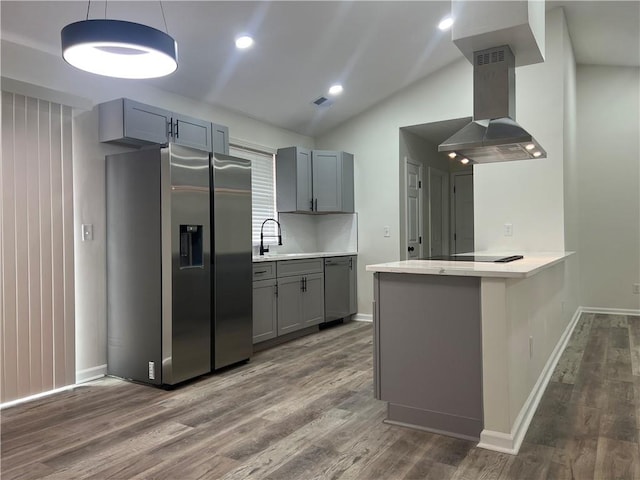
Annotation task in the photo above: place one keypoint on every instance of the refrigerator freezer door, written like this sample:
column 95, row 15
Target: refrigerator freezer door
column 232, row 262
column 186, row 264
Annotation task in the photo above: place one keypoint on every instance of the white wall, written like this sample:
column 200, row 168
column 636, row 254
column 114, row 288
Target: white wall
column 528, row 194
column 608, row 164
column 42, row 69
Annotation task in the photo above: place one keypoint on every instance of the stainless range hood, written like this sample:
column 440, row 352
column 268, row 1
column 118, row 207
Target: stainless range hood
column 493, row 135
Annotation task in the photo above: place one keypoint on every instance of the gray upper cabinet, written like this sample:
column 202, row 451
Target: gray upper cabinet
column 191, row 132
column 314, row 181
column 128, row 122
column 220, row 138
column 132, row 123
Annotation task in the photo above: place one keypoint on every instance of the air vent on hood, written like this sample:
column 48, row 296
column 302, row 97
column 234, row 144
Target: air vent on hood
column 493, row 135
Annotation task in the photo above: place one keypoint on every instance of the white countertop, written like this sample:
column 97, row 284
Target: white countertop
column 272, row 257
column 531, row 264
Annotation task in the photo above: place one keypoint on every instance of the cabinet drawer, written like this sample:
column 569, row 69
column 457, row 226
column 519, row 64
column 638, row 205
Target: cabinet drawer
column 300, row 267
column 264, row 270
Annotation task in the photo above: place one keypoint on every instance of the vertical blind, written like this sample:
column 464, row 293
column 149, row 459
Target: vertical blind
column 37, row 347
column 263, row 199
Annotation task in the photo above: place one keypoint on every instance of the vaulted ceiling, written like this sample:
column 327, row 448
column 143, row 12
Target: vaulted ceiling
column 373, row 48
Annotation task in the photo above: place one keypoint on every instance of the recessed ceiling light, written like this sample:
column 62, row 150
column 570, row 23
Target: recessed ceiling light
column 452, row 155
column 244, row 41
column 464, row 161
column 445, row 23
column 335, row 89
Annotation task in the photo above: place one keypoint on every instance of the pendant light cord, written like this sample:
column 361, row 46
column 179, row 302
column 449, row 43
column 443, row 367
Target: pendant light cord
column 88, row 7
column 164, row 19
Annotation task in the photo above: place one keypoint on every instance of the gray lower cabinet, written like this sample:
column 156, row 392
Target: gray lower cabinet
column 127, row 122
column 300, row 302
column 265, row 301
column 287, row 296
column 300, row 294
column 314, row 181
column 265, row 310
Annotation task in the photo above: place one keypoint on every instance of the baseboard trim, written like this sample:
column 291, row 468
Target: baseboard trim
column 610, row 311
column 363, row 317
column 511, row 442
column 92, row 373
column 36, row 396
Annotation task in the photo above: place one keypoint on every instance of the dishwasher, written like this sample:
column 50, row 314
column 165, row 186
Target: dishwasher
column 339, row 287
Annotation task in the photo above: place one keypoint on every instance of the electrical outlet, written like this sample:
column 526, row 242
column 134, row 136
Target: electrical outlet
column 508, row 229
column 87, row 232
column 636, row 288
column 387, row 231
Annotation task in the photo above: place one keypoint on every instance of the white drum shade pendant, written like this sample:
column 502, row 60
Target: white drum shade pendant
column 115, row 48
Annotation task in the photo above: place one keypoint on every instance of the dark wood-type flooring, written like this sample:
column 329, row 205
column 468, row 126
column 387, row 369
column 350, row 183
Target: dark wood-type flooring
column 305, row 410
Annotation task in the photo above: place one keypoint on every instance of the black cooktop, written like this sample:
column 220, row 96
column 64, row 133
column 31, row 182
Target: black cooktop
column 474, row 258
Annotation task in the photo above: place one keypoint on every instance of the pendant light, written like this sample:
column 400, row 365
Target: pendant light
column 116, row 48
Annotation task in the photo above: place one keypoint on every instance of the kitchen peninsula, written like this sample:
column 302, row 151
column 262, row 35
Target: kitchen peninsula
column 465, row 348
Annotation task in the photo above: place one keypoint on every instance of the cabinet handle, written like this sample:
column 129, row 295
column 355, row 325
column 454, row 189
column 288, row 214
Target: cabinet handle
column 170, row 128
column 177, row 124
column 316, row 206
column 275, row 289
column 351, row 264
column 260, row 271
column 311, row 207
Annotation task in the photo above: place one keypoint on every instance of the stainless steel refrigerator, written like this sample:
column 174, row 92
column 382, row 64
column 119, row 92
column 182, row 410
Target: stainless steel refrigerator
column 177, row 221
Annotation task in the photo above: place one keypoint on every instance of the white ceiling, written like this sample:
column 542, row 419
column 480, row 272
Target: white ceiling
column 374, row 48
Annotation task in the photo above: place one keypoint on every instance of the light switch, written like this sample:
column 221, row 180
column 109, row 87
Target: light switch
column 387, row 231
column 87, row 232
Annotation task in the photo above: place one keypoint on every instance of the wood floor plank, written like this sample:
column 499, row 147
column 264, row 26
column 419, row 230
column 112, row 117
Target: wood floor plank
column 617, row 460
column 305, row 410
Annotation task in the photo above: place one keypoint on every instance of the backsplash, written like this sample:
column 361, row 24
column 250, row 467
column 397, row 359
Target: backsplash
column 317, row 233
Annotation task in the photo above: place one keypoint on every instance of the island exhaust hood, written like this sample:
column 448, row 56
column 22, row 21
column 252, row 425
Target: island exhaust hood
column 493, row 135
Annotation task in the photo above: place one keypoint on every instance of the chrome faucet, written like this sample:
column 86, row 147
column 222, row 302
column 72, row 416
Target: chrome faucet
column 264, row 249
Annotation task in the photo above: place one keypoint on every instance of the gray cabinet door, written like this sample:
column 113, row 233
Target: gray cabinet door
column 220, row 138
column 353, row 285
column 304, row 181
column 128, row 122
column 313, row 300
column 289, row 304
column 294, row 180
column 192, row 132
column 145, row 123
column 264, row 310
column 327, row 181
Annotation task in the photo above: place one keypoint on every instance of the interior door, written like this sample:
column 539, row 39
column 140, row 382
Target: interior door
column 438, row 212
column 463, row 213
column 414, row 209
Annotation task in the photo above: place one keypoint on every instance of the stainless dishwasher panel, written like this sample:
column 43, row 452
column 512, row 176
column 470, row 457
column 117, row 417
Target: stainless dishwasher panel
column 337, row 288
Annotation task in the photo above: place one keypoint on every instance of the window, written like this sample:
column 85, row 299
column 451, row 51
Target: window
column 263, row 196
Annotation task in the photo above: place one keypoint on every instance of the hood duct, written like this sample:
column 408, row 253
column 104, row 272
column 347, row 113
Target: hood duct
column 493, row 135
